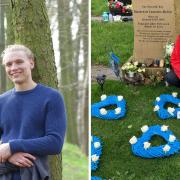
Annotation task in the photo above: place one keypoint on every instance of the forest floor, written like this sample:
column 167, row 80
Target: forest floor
column 75, row 163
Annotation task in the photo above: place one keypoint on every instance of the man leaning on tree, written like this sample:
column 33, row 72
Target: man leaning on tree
column 32, row 120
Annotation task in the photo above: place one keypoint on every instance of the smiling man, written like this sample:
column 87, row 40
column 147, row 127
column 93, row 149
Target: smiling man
column 32, row 119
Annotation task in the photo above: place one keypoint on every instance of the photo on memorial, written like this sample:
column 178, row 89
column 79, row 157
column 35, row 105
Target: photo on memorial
column 135, row 80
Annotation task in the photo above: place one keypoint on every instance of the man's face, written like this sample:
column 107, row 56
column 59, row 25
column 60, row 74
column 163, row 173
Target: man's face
column 18, row 67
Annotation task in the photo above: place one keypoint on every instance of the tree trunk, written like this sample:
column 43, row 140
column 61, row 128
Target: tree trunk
column 85, row 35
column 68, row 74
column 31, row 28
column 2, row 46
column 83, row 84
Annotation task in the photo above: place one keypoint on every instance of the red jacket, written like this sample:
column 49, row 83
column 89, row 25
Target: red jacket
column 175, row 57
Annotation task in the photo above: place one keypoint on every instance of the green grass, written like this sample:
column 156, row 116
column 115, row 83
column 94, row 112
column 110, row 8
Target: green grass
column 107, row 37
column 75, row 164
column 98, row 7
column 117, row 161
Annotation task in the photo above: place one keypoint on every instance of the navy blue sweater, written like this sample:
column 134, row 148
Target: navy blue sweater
column 33, row 121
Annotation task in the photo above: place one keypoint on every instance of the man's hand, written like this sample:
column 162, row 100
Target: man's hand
column 22, row 159
column 5, row 152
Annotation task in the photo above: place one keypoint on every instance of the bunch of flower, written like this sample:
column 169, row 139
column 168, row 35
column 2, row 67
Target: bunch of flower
column 168, row 51
column 115, row 4
column 117, row 7
column 133, row 67
column 156, row 78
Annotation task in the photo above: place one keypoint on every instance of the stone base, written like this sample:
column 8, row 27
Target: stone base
column 154, row 71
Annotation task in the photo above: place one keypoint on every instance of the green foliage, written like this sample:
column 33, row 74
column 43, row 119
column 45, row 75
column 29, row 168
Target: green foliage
column 75, row 164
column 98, row 7
column 117, row 161
column 107, row 37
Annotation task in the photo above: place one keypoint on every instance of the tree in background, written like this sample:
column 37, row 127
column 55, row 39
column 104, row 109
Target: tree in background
column 73, row 38
column 68, row 76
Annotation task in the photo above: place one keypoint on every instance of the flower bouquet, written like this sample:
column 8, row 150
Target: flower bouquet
column 115, row 7
column 132, row 68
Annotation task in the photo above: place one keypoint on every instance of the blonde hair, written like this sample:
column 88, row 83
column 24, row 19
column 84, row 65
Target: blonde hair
column 17, row 47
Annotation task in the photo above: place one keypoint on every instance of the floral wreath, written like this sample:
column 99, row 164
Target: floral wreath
column 98, row 111
column 170, row 112
column 142, row 147
column 96, row 151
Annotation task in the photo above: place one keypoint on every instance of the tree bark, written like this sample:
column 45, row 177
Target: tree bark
column 2, row 46
column 31, row 28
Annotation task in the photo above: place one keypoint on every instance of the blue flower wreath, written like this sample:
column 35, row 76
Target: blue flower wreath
column 96, row 151
column 141, row 146
column 98, row 110
column 166, row 113
column 95, row 178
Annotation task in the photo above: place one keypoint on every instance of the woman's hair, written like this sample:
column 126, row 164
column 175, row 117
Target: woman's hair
column 15, row 48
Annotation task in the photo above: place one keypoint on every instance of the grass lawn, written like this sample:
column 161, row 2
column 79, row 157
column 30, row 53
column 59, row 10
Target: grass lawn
column 98, row 7
column 116, row 37
column 117, row 161
column 75, row 164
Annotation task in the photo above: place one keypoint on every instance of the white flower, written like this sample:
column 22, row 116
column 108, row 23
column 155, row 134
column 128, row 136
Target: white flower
column 133, row 140
column 143, row 70
column 103, row 111
column 178, row 104
column 97, row 144
column 120, row 98
column 156, row 108
column 158, row 99
column 118, row 110
column 169, row 49
column 172, row 138
column 144, row 128
column 174, row 94
column 147, row 145
column 94, row 158
column 166, row 148
column 135, row 63
column 170, row 110
column 129, row 6
column 139, row 70
column 103, row 97
column 164, row 128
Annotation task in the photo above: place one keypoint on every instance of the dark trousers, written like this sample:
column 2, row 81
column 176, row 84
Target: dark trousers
column 172, row 79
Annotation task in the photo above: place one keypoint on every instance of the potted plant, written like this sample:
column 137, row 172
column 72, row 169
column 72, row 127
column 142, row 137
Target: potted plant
column 132, row 68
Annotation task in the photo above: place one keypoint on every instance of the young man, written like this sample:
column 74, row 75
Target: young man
column 32, row 116
column 173, row 77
